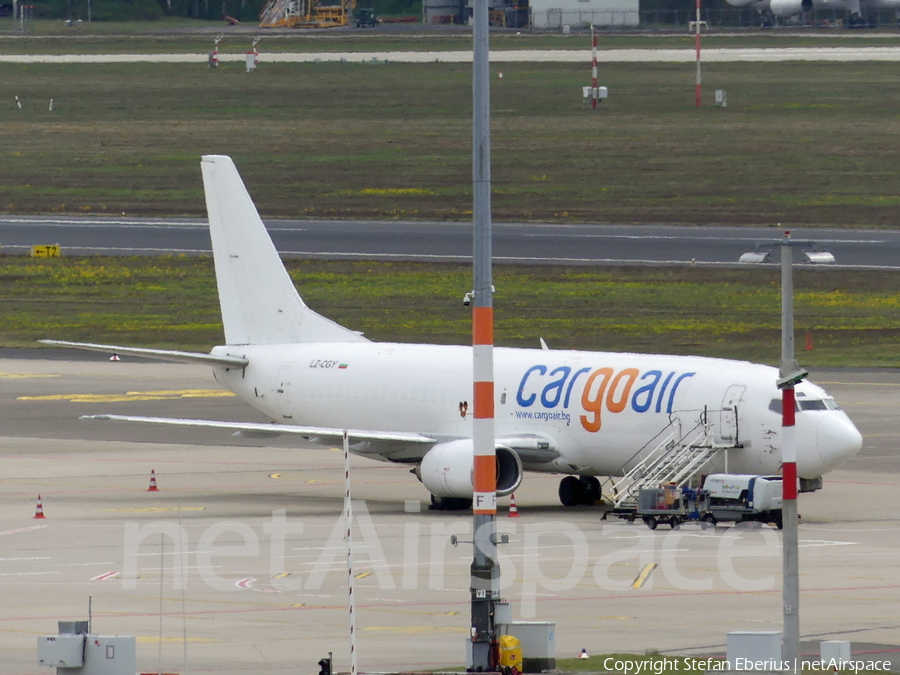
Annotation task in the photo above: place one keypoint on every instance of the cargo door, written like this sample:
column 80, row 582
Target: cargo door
column 729, row 429
column 283, row 392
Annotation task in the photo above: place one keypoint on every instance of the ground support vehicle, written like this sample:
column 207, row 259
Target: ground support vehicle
column 670, row 505
column 742, row 498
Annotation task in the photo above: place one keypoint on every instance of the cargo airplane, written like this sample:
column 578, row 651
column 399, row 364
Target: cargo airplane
column 784, row 9
column 579, row 414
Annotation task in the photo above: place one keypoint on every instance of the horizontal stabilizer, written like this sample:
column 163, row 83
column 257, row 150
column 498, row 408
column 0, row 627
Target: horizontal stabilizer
column 250, row 428
column 160, row 354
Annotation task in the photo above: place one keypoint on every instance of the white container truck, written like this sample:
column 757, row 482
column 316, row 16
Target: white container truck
column 742, row 498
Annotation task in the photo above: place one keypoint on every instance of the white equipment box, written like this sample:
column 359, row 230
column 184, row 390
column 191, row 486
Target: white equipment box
column 61, row 651
column 102, row 654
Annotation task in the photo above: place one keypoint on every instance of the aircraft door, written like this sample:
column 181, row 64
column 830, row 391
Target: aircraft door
column 282, row 392
column 729, row 429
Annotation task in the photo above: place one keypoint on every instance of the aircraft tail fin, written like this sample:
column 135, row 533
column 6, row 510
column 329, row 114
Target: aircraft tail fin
column 259, row 302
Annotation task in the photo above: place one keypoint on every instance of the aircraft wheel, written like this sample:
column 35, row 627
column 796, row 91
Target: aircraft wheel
column 651, row 522
column 593, row 492
column 571, row 491
column 450, row 503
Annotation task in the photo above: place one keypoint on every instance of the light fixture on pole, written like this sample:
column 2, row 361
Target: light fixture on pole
column 790, row 373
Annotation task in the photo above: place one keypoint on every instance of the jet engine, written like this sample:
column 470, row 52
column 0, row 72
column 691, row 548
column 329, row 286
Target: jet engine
column 446, row 470
column 786, row 8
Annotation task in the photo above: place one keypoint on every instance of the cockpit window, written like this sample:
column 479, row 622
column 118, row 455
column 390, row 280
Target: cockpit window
column 806, row 404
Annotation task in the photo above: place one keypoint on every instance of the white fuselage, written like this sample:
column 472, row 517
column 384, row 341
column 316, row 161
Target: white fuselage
column 598, row 410
column 788, row 8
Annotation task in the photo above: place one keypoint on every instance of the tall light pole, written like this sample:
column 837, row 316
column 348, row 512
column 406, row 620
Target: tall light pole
column 789, row 374
column 485, row 572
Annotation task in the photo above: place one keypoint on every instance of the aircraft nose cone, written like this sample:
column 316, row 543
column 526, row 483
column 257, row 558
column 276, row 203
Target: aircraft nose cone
column 837, row 440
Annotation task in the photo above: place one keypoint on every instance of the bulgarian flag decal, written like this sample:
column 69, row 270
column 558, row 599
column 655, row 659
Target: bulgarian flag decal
column 342, row 366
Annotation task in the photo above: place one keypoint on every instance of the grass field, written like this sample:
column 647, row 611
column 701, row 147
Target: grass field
column 799, row 143
column 170, row 302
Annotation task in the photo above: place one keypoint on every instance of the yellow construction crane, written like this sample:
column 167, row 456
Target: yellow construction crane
column 305, row 14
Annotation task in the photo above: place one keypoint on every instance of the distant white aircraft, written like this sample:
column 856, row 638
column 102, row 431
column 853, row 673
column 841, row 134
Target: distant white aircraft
column 788, row 8
column 581, row 414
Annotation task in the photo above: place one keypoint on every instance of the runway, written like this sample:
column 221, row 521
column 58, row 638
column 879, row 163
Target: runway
column 264, row 607
column 514, row 243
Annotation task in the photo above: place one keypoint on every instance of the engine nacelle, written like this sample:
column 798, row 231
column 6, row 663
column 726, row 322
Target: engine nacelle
column 785, row 8
column 446, row 470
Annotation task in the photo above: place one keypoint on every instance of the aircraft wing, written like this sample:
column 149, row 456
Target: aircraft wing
column 263, row 430
column 160, row 354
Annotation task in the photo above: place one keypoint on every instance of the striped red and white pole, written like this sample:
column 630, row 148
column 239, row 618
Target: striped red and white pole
column 697, row 97
column 485, row 475
column 789, row 445
column 594, row 89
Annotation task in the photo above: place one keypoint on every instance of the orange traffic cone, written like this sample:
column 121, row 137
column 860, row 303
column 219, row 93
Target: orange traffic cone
column 152, row 487
column 809, row 344
column 39, row 511
column 513, row 509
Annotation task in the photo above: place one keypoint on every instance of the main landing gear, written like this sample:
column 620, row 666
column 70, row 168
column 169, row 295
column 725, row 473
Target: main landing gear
column 449, row 504
column 579, row 491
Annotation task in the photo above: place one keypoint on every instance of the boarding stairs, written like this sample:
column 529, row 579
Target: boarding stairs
column 673, row 456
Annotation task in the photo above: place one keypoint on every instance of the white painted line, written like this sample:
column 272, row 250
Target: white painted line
column 44, row 557
column 155, row 224
column 25, row 574
column 22, row 529
column 772, row 54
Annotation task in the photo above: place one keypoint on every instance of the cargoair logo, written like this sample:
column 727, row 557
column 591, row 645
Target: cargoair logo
column 599, row 390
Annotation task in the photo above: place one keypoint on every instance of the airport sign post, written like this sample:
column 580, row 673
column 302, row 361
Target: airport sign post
column 790, row 374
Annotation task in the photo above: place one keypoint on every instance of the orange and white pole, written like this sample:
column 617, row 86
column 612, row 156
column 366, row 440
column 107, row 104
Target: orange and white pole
column 484, row 576
column 485, row 476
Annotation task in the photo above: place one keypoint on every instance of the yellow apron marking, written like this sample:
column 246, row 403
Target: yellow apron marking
column 161, row 395
column 644, row 575
column 282, row 575
column 274, row 475
column 299, row 604
column 24, row 376
column 154, row 509
column 362, row 575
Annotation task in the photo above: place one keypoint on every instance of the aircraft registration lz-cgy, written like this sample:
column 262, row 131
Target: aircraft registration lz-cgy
column 581, row 414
